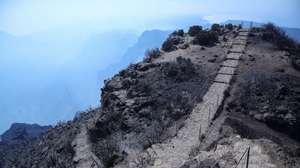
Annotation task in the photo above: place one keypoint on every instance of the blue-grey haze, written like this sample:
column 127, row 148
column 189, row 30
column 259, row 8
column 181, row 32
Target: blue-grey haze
column 55, row 54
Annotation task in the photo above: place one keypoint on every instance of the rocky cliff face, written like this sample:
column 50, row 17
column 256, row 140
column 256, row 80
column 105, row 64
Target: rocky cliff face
column 164, row 112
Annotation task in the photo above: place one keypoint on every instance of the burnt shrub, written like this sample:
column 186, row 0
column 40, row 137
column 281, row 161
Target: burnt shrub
column 295, row 60
column 278, row 37
column 229, row 26
column 170, row 44
column 216, row 27
column 108, row 151
column 206, row 38
column 194, row 30
column 152, row 54
column 178, row 33
column 182, row 70
column 239, row 27
column 255, row 29
column 272, row 99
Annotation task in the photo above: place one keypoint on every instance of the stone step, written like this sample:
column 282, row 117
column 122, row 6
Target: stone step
column 241, row 37
column 234, row 56
column 237, row 49
column 215, row 90
column 223, row 78
column 230, row 63
column 227, row 70
column 239, row 42
column 243, row 33
column 244, row 30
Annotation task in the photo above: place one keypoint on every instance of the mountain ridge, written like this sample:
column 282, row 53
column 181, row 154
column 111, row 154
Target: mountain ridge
column 19, row 132
column 201, row 100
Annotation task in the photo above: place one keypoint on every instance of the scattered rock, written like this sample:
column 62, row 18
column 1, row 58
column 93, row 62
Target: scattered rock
column 251, row 59
column 258, row 117
column 184, row 46
column 212, row 60
column 280, row 70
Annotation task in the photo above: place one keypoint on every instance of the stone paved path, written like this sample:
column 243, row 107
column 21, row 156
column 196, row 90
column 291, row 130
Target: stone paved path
column 172, row 153
column 84, row 157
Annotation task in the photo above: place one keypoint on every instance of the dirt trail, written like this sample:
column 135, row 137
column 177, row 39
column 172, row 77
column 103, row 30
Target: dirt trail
column 84, row 157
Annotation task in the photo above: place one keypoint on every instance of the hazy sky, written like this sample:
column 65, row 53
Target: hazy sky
column 27, row 16
column 44, row 67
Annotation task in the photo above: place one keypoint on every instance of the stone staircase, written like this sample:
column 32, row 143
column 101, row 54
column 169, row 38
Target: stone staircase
column 172, row 153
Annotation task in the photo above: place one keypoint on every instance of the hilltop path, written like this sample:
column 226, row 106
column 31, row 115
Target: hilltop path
column 172, row 153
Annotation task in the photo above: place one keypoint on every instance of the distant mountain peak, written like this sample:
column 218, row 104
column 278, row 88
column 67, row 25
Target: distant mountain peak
column 22, row 131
